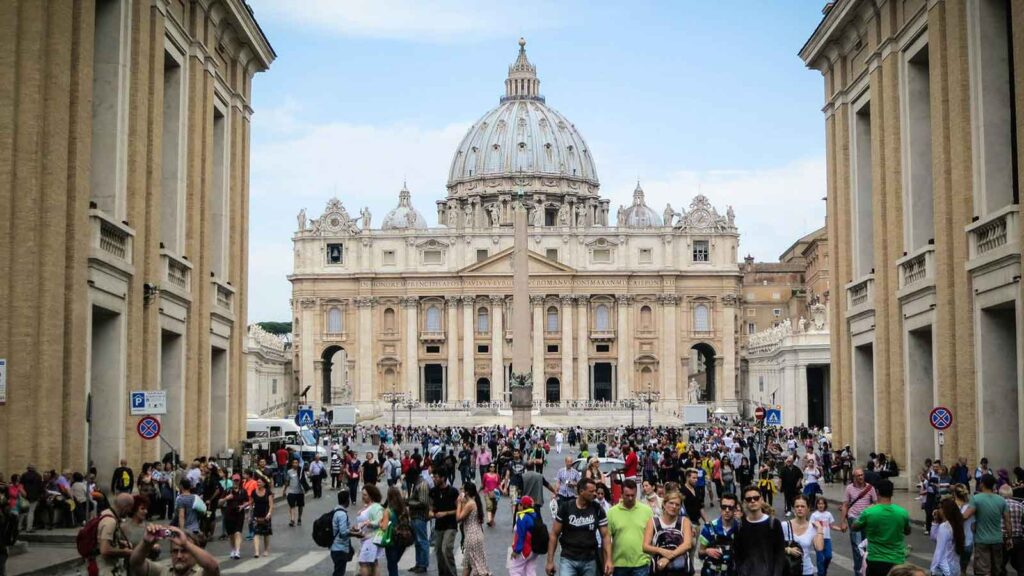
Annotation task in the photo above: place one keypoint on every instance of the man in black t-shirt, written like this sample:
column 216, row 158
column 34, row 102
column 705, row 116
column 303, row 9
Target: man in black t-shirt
column 443, row 498
column 576, row 526
column 514, row 475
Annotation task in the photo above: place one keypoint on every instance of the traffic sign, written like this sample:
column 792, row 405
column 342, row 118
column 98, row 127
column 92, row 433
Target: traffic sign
column 941, row 418
column 148, row 427
column 147, row 402
column 773, row 417
column 304, row 417
column 759, row 413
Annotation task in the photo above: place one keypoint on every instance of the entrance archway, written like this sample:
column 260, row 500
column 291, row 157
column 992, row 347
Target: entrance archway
column 702, row 369
column 603, row 384
column 483, row 390
column 433, row 383
column 553, row 390
column 333, row 374
column 817, row 396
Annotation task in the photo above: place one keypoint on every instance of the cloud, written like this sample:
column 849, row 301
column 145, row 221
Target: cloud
column 774, row 206
column 443, row 21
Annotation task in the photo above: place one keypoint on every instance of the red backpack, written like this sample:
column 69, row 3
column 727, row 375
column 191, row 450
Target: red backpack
column 87, row 542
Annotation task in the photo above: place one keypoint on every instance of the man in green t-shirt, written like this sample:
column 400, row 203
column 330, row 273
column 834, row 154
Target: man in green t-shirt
column 627, row 521
column 991, row 521
column 885, row 525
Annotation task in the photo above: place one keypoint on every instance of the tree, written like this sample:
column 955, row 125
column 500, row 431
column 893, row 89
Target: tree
column 278, row 328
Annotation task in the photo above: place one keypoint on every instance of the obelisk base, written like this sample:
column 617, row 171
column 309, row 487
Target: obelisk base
column 522, row 405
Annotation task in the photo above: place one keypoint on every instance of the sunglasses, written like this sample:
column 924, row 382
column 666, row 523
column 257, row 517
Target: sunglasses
column 751, row 498
column 728, row 507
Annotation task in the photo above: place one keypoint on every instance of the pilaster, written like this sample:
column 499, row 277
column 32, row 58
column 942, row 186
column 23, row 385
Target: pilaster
column 497, row 347
column 365, row 362
column 583, row 349
column 537, row 368
column 451, row 342
column 566, row 326
column 623, row 344
column 411, row 368
column 669, row 352
column 468, row 348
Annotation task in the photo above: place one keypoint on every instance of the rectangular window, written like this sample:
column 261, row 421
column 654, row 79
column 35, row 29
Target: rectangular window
column 273, row 386
column 700, row 251
column 751, row 328
column 388, row 257
column 602, row 348
column 432, row 257
column 776, row 312
column 551, row 254
column 108, row 176
column 483, row 349
column 481, row 254
column 172, row 200
column 917, row 159
column 553, row 348
column 646, row 256
column 863, row 214
column 601, row 255
column 335, row 253
column 433, row 349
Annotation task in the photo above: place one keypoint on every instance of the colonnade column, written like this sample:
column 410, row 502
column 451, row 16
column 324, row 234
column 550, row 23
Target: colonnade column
column 623, row 340
column 365, row 347
column 452, row 389
column 467, row 348
column 583, row 349
column 308, row 376
column 669, row 354
column 537, row 302
column 412, row 362
column 727, row 384
column 566, row 326
column 497, row 348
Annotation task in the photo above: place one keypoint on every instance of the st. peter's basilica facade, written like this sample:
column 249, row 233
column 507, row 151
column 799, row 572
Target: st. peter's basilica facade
column 647, row 302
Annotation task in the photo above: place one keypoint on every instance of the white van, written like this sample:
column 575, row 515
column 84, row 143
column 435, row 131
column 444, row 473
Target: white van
column 300, row 438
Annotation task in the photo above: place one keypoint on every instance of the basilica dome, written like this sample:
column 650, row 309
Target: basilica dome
column 522, row 137
column 404, row 216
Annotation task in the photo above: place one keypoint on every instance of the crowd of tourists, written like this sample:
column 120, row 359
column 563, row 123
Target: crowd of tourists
column 622, row 501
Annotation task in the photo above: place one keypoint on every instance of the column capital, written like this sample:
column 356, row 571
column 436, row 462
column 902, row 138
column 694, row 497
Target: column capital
column 307, row 303
column 452, row 301
column 409, row 301
column 496, row 299
column 623, row 299
column 365, row 302
column 469, row 301
column 566, row 299
column 668, row 299
column 582, row 299
column 537, row 299
column 730, row 300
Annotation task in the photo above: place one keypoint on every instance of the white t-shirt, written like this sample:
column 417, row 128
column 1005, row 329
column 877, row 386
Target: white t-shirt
column 811, row 476
column 825, row 517
column 806, row 542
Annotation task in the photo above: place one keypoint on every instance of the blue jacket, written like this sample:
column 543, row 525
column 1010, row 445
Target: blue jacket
column 340, row 525
column 523, row 540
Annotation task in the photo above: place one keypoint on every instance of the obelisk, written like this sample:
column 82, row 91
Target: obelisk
column 521, row 385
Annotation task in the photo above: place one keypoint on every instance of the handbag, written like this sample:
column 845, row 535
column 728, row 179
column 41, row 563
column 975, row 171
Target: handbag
column 794, row 564
column 23, row 504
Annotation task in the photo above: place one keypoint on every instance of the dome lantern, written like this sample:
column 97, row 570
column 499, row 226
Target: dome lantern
column 522, row 82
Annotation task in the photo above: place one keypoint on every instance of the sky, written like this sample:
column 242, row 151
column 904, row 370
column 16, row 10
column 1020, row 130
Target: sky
column 688, row 97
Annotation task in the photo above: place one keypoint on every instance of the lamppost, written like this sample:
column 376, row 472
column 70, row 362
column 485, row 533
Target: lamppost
column 409, row 404
column 394, row 398
column 632, row 404
column 649, row 397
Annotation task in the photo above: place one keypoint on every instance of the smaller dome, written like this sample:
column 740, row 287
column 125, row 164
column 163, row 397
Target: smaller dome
column 404, row 216
column 638, row 215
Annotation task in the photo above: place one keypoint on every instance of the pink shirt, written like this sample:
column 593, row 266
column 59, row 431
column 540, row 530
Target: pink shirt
column 490, row 482
column 855, row 508
column 483, row 458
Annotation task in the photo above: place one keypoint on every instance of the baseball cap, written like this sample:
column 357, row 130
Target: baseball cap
column 526, row 502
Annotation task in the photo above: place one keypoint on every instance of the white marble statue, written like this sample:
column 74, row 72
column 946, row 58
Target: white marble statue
column 538, row 215
column 365, row 216
column 730, row 216
column 581, row 215
column 620, row 216
column 563, row 215
column 302, row 220
column 669, row 214
column 316, row 226
column 495, row 213
column 468, row 218
column 693, row 392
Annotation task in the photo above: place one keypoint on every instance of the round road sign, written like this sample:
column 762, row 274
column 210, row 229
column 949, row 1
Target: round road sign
column 148, row 428
column 759, row 413
column 941, row 418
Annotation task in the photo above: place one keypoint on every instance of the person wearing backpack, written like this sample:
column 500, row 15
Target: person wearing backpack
column 112, row 545
column 524, row 547
column 669, row 537
column 341, row 545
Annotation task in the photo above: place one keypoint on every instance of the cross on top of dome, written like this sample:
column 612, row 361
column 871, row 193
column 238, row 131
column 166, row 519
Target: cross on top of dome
column 522, row 82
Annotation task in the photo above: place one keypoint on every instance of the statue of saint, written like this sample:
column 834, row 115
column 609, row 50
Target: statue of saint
column 468, row 221
column 538, row 215
column 302, row 220
column 563, row 215
column 669, row 215
column 730, row 216
column 316, row 226
column 365, row 215
column 495, row 212
column 581, row 215
column 693, row 392
column 620, row 216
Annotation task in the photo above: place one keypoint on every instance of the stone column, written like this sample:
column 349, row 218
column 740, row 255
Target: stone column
column 583, row 349
column 451, row 340
column 307, row 356
column 670, row 388
column 725, row 389
column 566, row 327
column 365, row 347
column 468, row 351
column 788, row 386
column 800, row 391
column 412, row 346
column 623, row 341
column 537, row 369
column 497, row 348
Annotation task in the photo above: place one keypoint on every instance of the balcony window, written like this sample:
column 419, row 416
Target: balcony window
column 701, row 252
column 701, row 318
column 433, row 319
column 601, row 318
column 552, row 319
column 601, row 255
column 335, row 325
column 483, row 320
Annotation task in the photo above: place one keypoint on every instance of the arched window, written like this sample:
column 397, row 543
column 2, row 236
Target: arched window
column 433, row 319
column 646, row 377
column 389, row 319
column 389, row 378
column 701, row 319
column 335, row 325
column 646, row 319
column 601, row 320
column 552, row 324
column 483, row 320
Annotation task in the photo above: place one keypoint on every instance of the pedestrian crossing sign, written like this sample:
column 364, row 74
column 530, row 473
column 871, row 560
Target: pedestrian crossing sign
column 304, row 418
column 773, row 417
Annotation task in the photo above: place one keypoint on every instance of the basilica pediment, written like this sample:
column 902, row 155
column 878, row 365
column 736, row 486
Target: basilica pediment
column 501, row 263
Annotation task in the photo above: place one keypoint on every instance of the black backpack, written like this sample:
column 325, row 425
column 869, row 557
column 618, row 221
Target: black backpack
column 539, row 535
column 323, row 529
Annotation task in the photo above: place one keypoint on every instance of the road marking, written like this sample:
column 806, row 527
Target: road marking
column 306, row 561
column 251, row 565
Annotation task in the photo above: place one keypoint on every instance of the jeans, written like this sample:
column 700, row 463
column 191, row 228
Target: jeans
column 422, row 544
column 855, row 539
column 338, row 557
column 638, row 571
column 444, row 541
column 568, row 567
column 393, row 554
column 824, row 557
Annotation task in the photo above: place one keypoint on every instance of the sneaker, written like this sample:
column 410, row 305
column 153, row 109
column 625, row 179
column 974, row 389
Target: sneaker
column 300, row 521
column 290, row 523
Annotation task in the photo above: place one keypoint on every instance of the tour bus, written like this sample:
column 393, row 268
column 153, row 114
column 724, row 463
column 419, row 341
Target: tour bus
column 300, row 438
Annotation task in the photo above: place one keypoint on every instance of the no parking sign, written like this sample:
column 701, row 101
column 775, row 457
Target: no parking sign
column 941, row 418
column 148, row 428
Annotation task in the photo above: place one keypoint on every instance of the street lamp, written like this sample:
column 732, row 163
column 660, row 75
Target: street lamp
column 649, row 397
column 409, row 404
column 632, row 404
column 394, row 398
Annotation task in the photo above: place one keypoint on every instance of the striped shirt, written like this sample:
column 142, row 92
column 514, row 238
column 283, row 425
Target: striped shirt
column 567, row 480
column 855, row 508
